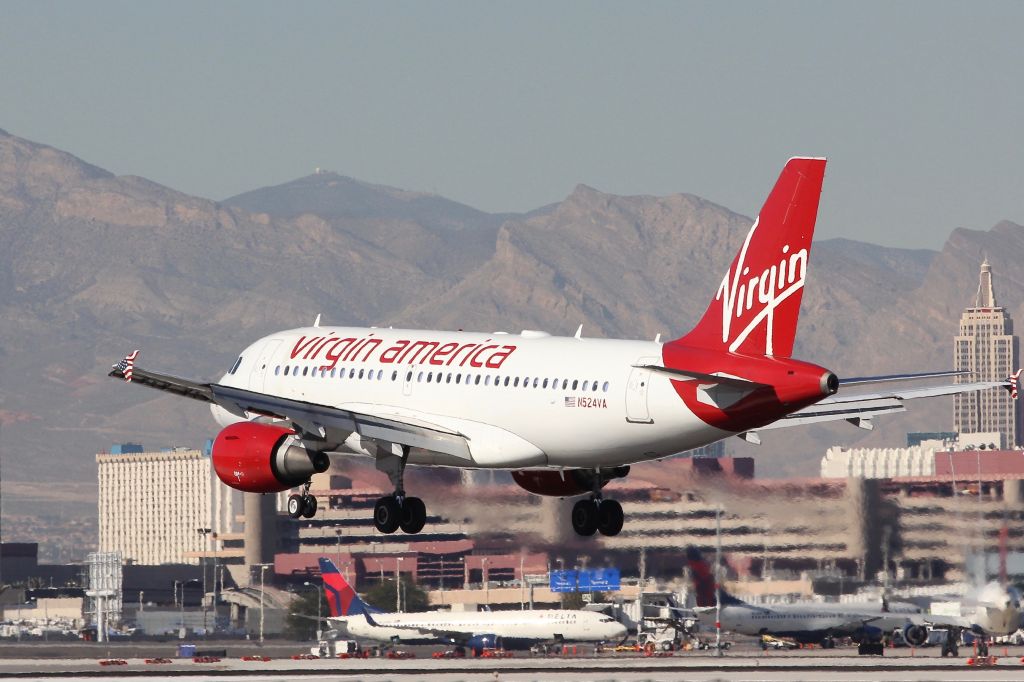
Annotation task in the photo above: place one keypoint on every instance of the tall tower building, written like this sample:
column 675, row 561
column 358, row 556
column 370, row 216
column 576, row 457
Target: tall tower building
column 987, row 348
column 152, row 505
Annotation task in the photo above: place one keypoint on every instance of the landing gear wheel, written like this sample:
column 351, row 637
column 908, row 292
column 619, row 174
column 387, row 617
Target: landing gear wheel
column 584, row 517
column 387, row 515
column 609, row 517
column 309, row 504
column 296, row 506
column 414, row 515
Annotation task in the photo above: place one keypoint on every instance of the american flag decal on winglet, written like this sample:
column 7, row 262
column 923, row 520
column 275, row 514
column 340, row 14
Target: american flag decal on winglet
column 1014, row 383
column 126, row 366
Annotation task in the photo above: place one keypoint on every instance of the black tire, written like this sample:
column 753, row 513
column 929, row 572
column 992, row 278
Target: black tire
column 310, row 507
column 666, row 646
column 610, row 517
column 387, row 515
column 414, row 515
column 295, row 506
column 584, row 517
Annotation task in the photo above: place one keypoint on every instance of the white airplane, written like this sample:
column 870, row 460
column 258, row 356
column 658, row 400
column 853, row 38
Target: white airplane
column 565, row 414
column 994, row 610
column 473, row 629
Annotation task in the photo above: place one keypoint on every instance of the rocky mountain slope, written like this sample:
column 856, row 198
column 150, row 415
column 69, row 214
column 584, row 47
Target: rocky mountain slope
column 95, row 265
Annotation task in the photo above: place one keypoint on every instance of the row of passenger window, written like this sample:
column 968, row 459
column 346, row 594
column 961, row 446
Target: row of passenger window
column 448, row 378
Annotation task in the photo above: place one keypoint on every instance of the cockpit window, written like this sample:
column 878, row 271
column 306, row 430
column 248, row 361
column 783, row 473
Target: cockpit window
column 234, row 367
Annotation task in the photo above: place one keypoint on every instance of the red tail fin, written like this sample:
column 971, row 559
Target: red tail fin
column 757, row 304
column 342, row 600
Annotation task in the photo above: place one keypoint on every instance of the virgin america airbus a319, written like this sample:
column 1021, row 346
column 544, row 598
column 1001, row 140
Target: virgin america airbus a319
column 565, row 415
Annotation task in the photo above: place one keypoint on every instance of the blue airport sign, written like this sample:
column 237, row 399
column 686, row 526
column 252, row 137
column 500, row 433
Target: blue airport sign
column 563, row 581
column 600, row 580
column 589, row 580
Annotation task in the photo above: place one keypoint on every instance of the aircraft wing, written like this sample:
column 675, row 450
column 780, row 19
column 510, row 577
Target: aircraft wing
column 858, row 409
column 311, row 420
column 451, row 636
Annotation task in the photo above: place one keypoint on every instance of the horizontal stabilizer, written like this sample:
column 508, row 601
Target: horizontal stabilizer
column 735, row 382
column 901, row 377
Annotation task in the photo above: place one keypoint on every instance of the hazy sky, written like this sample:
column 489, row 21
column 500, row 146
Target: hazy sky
column 506, row 107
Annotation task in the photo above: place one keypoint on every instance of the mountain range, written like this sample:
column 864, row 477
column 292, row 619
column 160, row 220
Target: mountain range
column 95, row 265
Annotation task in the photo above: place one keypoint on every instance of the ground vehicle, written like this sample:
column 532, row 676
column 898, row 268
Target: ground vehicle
column 769, row 642
column 662, row 639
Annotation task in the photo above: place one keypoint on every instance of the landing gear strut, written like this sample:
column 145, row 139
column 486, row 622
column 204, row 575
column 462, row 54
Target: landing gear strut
column 596, row 513
column 397, row 511
column 950, row 645
column 303, row 505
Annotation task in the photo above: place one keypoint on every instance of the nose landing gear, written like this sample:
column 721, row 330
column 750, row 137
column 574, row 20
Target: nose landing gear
column 302, row 505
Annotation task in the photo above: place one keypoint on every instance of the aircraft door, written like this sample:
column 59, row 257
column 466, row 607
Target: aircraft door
column 261, row 368
column 637, row 411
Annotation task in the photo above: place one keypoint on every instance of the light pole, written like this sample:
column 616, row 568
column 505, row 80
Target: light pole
column 338, row 532
column 398, row 584
column 319, row 596
column 205, row 534
column 263, row 570
column 561, row 570
column 718, row 590
column 522, row 584
column 487, row 582
column 181, row 604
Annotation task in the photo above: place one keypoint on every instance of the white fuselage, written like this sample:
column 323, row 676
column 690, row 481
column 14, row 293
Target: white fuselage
column 993, row 610
column 805, row 619
column 522, row 401
column 535, row 626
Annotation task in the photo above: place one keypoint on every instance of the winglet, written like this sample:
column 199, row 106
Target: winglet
column 1013, row 382
column 125, row 368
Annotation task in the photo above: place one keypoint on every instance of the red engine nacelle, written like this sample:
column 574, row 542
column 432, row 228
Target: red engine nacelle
column 565, row 483
column 261, row 458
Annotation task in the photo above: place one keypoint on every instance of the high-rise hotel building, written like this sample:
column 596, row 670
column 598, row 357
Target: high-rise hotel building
column 987, row 348
column 152, row 505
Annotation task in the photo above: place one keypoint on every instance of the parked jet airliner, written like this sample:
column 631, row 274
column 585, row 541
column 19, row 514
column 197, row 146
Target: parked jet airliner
column 475, row 629
column 992, row 610
column 565, row 415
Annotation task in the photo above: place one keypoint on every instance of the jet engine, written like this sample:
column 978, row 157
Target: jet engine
column 565, row 483
column 477, row 643
column 262, row 458
column 915, row 635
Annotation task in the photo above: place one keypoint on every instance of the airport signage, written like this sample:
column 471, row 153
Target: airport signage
column 589, row 580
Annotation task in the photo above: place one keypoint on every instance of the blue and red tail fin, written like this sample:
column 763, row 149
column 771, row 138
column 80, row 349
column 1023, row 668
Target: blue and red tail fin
column 704, row 581
column 342, row 599
column 756, row 307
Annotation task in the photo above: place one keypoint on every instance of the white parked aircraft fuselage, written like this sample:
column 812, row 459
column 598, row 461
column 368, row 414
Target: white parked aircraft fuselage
column 523, row 400
column 539, row 625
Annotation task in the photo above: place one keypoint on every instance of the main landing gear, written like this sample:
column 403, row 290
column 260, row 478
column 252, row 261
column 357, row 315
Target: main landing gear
column 597, row 514
column 397, row 511
column 303, row 505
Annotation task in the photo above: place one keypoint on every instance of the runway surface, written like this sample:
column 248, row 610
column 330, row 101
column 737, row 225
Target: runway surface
column 701, row 667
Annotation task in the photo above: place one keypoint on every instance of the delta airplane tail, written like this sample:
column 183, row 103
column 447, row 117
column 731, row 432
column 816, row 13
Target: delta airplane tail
column 342, row 599
column 704, row 581
column 756, row 307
